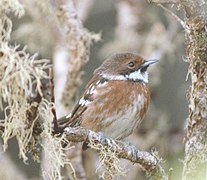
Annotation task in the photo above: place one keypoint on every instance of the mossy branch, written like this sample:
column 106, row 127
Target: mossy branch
column 149, row 162
column 195, row 161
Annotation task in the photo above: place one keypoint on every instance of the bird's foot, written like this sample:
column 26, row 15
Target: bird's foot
column 102, row 138
column 133, row 152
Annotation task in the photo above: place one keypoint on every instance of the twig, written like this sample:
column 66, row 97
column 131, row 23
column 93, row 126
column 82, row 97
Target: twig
column 164, row 1
column 149, row 163
column 183, row 24
column 32, row 113
column 52, row 98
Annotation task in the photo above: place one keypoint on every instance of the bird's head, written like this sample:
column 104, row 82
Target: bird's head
column 125, row 66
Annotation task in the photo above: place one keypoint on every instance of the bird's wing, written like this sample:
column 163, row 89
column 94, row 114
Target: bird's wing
column 74, row 118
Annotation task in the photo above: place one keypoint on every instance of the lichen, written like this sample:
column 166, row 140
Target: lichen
column 20, row 77
column 110, row 165
column 52, row 145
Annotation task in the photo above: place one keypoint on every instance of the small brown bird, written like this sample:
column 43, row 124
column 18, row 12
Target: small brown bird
column 116, row 98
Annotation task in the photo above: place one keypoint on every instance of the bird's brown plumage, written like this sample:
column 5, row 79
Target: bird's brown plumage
column 114, row 101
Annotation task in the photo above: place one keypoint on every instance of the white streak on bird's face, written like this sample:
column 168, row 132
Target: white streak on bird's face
column 113, row 77
column 133, row 76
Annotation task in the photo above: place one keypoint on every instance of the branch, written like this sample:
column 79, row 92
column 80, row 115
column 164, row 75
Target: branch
column 174, row 16
column 193, row 9
column 52, row 98
column 148, row 161
column 196, row 130
column 164, row 1
column 79, row 49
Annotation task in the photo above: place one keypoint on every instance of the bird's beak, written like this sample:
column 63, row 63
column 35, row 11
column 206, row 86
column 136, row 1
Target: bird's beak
column 149, row 62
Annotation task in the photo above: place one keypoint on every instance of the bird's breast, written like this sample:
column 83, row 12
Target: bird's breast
column 117, row 108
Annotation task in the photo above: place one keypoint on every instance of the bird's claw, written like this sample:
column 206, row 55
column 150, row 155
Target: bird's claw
column 133, row 152
column 103, row 138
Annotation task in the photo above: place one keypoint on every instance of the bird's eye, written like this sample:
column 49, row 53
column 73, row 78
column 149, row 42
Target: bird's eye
column 131, row 65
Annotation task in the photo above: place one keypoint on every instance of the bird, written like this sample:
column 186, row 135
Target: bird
column 116, row 98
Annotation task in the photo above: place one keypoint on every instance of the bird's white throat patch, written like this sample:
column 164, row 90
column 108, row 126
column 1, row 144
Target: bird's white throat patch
column 138, row 76
column 134, row 76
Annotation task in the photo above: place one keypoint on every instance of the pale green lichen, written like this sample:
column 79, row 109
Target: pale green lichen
column 53, row 145
column 7, row 6
column 110, row 165
column 20, row 76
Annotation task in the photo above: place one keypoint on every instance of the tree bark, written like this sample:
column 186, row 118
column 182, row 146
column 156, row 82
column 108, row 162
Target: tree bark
column 195, row 160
